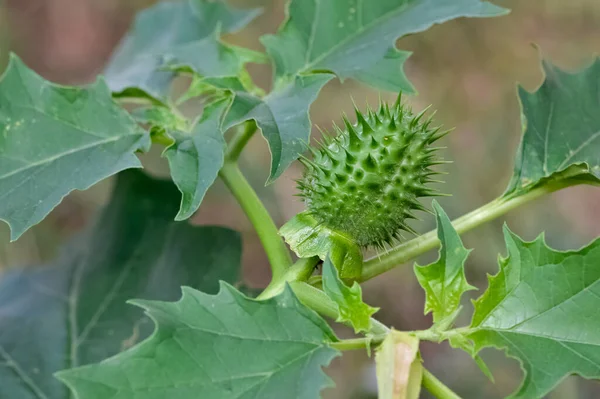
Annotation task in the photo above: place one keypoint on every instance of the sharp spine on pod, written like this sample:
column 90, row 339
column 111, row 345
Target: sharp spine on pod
column 365, row 181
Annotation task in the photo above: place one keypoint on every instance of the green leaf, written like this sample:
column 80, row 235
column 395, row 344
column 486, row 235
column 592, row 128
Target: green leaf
column 542, row 308
column 221, row 346
column 306, row 237
column 200, row 86
column 196, row 158
column 172, row 35
column 388, row 74
column 399, row 368
column 73, row 312
column 355, row 39
column 349, row 301
column 444, row 281
column 57, row 139
column 282, row 117
column 562, row 129
column 161, row 121
column 159, row 116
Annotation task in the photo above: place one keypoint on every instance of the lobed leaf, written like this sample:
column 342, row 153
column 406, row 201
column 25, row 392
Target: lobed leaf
column 561, row 138
column 57, row 139
column 73, row 312
column 173, row 35
column 351, row 307
column 196, row 157
column 444, row 280
column 221, row 346
column 282, row 117
column 542, row 309
column 356, row 39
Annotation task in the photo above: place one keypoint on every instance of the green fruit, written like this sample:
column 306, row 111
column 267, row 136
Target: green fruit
column 365, row 182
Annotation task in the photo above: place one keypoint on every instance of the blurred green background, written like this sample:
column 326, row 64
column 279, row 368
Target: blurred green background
column 468, row 69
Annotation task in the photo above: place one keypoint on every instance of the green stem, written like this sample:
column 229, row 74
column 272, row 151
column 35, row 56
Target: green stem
column 315, row 299
column 419, row 245
column 436, row 387
column 357, row 343
column 318, row 301
column 277, row 252
column 300, row 271
column 239, row 140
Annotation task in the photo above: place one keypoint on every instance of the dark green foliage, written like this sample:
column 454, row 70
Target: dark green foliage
column 366, row 181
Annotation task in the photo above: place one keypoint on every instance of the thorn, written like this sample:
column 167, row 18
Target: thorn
column 350, row 159
column 307, row 162
column 341, row 178
column 392, row 124
column 439, row 162
column 407, row 228
column 363, row 122
column 326, row 151
column 424, row 192
column 313, row 152
column 374, row 144
column 423, row 208
column 398, row 102
column 325, row 137
column 355, row 140
column 436, row 135
column 372, row 115
column 415, row 121
column 339, row 132
column 370, row 163
column 435, row 181
column 327, row 140
column 430, row 118
column 323, row 186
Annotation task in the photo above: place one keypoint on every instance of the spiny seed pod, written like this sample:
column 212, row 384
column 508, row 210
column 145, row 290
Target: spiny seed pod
column 365, row 182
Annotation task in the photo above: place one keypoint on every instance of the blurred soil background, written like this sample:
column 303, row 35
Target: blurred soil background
column 468, row 69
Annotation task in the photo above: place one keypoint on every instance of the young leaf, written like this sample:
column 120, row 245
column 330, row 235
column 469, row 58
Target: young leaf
column 172, row 35
column 74, row 312
column 57, row 139
column 399, row 368
column 196, row 158
column 306, row 237
column 161, row 118
column 542, row 309
column 282, row 116
column 444, row 281
column 348, row 299
column 221, row 346
column 562, row 128
column 356, row 39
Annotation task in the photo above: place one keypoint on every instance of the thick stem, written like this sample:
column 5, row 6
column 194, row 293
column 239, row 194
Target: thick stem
column 315, row 299
column 300, row 271
column 436, row 387
column 417, row 246
column 239, row 140
column 277, row 252
column 357, row 343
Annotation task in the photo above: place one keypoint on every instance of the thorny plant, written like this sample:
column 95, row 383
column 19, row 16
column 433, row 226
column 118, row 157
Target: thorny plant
column 362, row 186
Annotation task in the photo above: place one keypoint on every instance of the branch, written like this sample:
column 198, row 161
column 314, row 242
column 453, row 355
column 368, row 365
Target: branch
column 428, row 241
